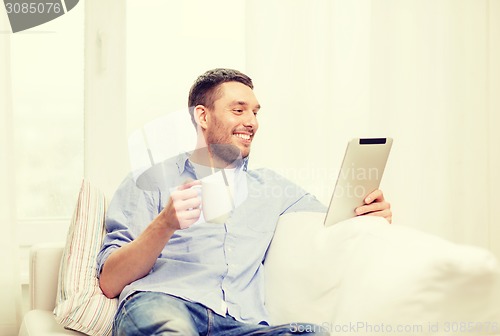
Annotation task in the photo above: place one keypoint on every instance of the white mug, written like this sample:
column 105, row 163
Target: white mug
column 216, row 198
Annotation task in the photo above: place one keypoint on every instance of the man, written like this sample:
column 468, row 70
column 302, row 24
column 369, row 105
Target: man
column 179, row 274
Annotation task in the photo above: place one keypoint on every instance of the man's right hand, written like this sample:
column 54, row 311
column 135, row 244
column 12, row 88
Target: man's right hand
column 183, row 207
column 135, row 259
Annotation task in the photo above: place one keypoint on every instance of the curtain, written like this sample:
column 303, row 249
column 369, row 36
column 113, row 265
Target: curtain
column 10, row 291
column 424, row 72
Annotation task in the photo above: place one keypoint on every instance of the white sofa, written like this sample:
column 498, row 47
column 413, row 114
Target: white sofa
column 359, row 277
column 45, row 260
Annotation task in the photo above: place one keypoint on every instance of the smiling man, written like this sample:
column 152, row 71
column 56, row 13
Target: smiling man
column 226, row 115
column 178, row 273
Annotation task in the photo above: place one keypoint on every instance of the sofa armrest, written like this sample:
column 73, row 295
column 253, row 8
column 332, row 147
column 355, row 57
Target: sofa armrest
column 42, row 323
column 44, row 271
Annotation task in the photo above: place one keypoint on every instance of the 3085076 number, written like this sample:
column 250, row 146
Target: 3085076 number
column 33, row 8
column 471, row 327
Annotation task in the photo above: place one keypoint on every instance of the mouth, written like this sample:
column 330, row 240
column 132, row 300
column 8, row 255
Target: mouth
column 246, row 137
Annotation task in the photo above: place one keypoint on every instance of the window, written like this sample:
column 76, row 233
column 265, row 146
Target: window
column 47, row 68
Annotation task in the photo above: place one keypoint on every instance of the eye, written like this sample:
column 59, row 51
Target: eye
column 238, row 110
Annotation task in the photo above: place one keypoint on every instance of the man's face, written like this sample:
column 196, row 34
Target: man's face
column 232, row 121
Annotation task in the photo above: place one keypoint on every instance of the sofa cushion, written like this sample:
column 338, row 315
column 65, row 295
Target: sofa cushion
column 80, row 303
column 363, row 274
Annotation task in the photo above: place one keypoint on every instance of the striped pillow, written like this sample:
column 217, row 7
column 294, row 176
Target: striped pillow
column 80, row 304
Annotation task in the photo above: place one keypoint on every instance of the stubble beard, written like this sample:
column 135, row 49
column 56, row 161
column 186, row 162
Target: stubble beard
column 222, row 149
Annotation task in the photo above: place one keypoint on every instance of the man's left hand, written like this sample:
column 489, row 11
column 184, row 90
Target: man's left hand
column 376, row 205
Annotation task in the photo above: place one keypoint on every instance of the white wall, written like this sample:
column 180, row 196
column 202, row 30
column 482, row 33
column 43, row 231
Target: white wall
column 105, row 94
column 170, row 43
column 163, row 60
column 423, row 72
column 326, row 71
column 493, row 122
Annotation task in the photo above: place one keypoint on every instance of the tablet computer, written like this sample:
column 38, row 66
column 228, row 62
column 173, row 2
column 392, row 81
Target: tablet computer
column 360, row 174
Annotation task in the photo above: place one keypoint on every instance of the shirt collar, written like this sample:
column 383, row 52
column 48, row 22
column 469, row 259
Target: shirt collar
column 183, row 164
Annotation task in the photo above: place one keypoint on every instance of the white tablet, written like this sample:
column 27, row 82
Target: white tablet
column 362, row 169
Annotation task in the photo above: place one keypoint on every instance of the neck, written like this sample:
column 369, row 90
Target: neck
column 205, row 157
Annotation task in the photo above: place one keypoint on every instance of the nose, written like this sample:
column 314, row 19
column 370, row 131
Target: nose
column 251, row 120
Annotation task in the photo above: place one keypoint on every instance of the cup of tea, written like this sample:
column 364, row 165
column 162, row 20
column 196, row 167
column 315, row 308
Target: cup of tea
column 216, row 198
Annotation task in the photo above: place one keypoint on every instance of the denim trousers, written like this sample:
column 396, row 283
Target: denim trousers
column 152, row 313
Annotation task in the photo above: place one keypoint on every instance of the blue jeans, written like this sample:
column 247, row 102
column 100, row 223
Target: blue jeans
column 151, row 313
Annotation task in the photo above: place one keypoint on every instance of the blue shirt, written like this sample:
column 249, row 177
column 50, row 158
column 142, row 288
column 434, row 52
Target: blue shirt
column 217, row 265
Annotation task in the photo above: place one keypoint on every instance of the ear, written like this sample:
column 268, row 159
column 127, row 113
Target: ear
column 201, row 116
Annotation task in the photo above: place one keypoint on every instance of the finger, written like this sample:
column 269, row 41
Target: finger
column 188, row 184
column 189, row 215
column 188, row 218
column 181, row 195
column 192, row 203
column 376, row 195
column 381, row 213
column 377, row 206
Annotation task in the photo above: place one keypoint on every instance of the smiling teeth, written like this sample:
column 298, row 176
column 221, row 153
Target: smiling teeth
column 243, row 136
